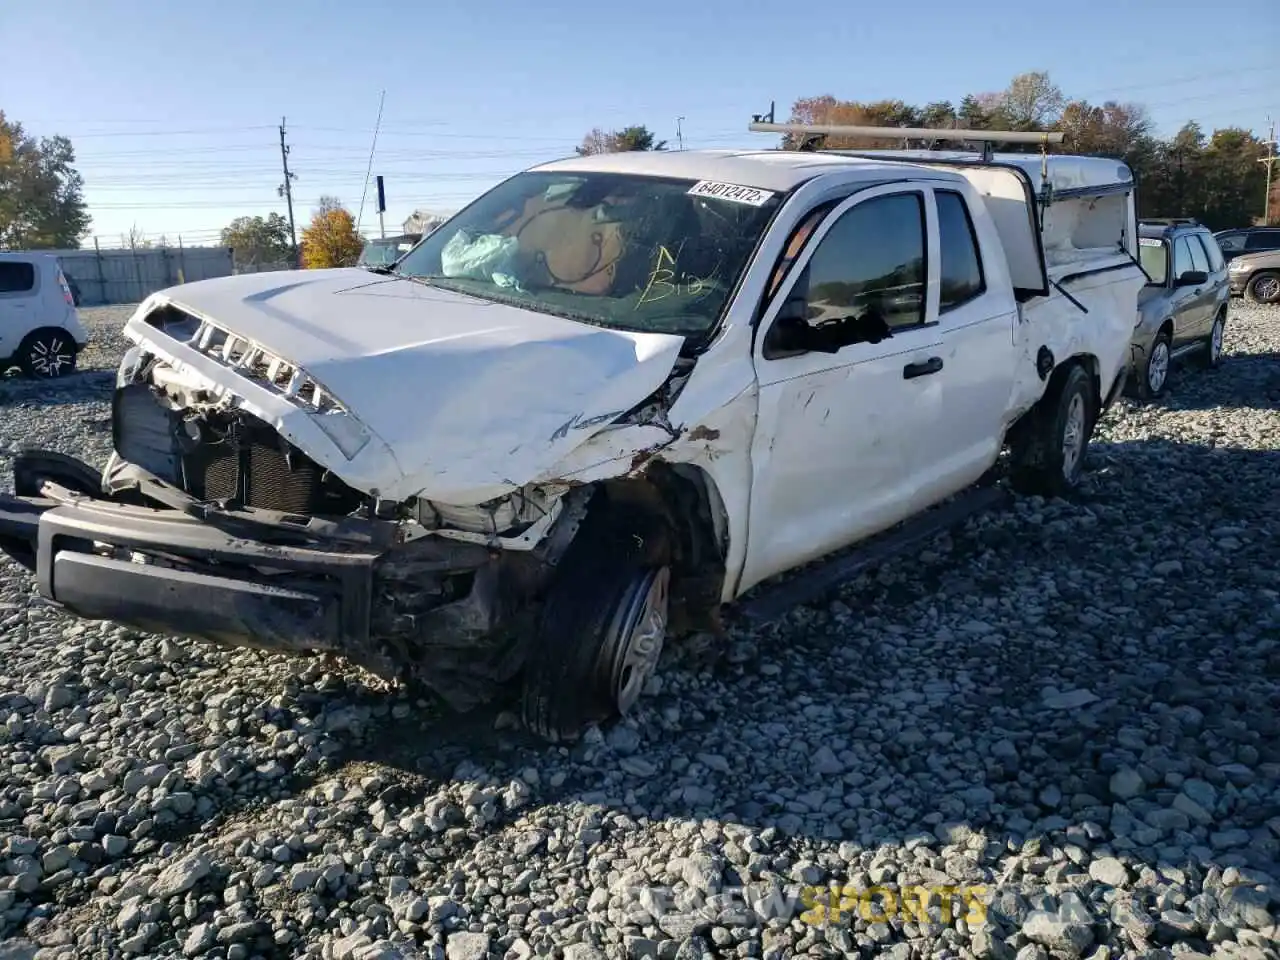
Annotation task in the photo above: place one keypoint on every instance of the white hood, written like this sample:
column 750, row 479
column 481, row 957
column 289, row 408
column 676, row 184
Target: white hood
column 468, row 398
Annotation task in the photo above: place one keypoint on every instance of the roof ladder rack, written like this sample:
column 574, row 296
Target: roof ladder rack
column 814, row 135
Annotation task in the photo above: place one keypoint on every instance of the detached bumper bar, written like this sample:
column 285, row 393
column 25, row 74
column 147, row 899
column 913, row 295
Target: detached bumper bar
column 171, row 573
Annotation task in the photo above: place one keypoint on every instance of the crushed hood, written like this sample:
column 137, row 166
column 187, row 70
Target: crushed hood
column 470, row 398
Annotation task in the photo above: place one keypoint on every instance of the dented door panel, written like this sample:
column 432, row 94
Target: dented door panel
column 841, row 439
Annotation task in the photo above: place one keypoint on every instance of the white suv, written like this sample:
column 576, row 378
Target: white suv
column 40, row 330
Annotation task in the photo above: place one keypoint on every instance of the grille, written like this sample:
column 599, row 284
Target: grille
column 251, row 464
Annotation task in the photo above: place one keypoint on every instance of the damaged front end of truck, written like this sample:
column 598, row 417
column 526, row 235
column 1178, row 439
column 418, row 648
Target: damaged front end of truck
column 246, row 505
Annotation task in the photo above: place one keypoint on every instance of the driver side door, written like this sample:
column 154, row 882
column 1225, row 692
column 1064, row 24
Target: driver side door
column 842, row 436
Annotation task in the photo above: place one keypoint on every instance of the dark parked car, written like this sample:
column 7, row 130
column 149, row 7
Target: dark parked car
column 1256, row 276
column 1235, row 243
column 1183, row 309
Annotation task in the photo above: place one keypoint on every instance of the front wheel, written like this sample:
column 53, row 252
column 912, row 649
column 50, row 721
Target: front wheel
column 48, row 354
column 1154, row 376
column 1264, row 288
column 602, row 627
column 1049, row 453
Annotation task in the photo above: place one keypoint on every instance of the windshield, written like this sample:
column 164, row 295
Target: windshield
column 618, row 250
column 1154, row 255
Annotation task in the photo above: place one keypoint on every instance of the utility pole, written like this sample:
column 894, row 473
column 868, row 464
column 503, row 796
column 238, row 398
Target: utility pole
column 1270, row 161
column 679, row 134
column 286, row 190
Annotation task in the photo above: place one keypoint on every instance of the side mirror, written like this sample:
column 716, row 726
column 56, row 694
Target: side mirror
column 792, row 334
column 1193, row 278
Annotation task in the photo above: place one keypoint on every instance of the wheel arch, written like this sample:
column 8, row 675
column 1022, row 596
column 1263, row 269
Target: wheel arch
column 1091, row 366
column 1017, row 431
column 686, row 498
column 48, row 329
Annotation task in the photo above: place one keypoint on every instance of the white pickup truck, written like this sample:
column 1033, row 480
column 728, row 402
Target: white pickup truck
column 611, row 395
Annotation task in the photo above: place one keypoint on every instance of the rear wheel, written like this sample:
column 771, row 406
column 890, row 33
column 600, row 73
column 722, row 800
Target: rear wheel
column 48, row 354
column 1049, row 452
column 602, row 626
column 1264, row 288
column 1211, row 356
column 32, row 467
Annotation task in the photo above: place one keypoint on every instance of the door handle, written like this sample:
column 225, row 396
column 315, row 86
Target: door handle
column 913, row 370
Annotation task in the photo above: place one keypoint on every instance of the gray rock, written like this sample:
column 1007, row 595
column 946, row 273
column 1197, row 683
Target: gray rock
column 1126, row 783
column 1109, row 871
column 1069, row 699
column 1246, row 907
column 467, row 946
column 199, row 939
column 1065, row 935
column 639, row 948
column 180, row 877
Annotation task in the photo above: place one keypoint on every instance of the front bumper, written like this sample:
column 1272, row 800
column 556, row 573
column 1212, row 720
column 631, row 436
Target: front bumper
column 163, row 571
column 1237, row 282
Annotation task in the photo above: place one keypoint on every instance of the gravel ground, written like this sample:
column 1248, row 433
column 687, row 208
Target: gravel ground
column 1066, row 712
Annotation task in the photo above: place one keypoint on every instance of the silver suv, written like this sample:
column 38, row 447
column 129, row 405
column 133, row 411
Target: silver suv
column 1183, row 308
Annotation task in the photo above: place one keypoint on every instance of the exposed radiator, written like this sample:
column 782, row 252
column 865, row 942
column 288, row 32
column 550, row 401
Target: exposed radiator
column 253, row 465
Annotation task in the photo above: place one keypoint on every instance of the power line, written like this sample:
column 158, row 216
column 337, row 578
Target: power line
column 169, row 133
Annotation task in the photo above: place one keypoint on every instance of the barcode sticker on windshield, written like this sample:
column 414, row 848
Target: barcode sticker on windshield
column 731, row 191
column 1148, row 242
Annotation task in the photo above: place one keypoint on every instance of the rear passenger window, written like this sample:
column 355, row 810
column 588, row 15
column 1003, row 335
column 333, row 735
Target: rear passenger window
column 1216, row 260
column 961, row 267
column 1263, row 241
column 16, row 277
column 1198, row 259
column 1182, row 261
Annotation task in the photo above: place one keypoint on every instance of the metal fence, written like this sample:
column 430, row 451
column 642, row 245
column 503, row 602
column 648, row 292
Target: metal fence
column 255, row 266
column 129, row 275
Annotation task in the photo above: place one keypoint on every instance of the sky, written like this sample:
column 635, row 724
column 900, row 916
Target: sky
column 174, row 108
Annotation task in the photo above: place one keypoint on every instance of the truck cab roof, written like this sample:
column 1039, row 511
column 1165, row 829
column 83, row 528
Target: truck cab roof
column 783, row 170
column 778, row 170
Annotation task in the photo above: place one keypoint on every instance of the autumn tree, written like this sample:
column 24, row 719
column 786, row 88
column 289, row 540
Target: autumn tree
column 330, row 240
column 41, row 192
column 1032, row 102
column 619, row 141
column 259, row 239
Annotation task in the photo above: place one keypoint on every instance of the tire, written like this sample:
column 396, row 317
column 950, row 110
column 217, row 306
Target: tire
column 1153, row 378
column 32, row 467
column 601, row 628
column 48, row 354
column 1063, row 421
column 1263, row 287
column 1210, row 358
